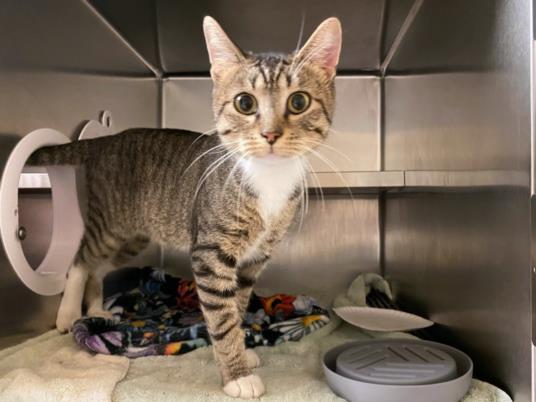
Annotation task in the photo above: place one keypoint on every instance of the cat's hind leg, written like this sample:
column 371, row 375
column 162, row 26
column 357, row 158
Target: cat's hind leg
column 95, row 249
column 71, row 302
column 94, row 288
column 93, row 295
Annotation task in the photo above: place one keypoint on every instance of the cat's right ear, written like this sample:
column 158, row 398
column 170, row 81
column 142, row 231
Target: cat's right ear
column 222, row 52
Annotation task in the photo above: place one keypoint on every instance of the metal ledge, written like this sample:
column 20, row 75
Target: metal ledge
column 376, row 180
column 424, row 179
column 355, row 180
column 466, row 179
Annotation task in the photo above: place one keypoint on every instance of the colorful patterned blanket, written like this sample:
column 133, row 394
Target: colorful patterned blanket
column 161, row 316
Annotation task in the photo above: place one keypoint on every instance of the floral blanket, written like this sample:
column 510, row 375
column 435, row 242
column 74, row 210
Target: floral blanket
column 161, row 316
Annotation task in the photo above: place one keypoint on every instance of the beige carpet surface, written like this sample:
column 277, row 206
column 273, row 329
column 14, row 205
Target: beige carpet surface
column 52, row 367
column 291, row 373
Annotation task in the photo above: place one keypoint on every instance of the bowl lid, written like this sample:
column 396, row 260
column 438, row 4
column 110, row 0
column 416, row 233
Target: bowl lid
column 396, row 363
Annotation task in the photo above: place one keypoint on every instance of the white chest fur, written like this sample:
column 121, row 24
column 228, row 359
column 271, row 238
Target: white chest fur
column 274, row 182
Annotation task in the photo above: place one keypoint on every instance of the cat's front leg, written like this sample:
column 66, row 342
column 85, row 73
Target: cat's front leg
column 216, row 278
column 246, row 277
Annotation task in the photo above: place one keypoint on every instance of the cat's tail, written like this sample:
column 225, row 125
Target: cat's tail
column 73, row 153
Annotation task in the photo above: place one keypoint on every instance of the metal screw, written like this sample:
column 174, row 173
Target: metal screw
column 21, row 233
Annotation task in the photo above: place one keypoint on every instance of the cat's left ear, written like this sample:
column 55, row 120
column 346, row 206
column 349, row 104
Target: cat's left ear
column 222, row 52
column 323, row 47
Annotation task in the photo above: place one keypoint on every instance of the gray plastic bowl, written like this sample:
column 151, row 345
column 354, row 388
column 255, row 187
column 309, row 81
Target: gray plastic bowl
column 359, row 391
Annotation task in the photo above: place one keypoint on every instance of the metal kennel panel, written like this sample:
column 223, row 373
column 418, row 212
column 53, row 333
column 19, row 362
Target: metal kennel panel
column 60, row 65
column 457, row 102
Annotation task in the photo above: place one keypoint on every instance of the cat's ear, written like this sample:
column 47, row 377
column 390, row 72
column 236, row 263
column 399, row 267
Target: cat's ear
column 323, row 47
column 222, row 52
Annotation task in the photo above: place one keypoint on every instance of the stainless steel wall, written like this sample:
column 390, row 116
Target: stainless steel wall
column 59, row 66
column 462, row 259
column 457, row 100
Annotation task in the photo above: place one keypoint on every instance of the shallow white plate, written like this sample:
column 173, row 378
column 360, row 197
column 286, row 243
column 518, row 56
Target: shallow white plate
column 380, row 319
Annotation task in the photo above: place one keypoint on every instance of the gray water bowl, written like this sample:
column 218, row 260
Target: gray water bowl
column 398, row 370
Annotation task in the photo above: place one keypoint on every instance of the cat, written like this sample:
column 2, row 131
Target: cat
column 229, row 197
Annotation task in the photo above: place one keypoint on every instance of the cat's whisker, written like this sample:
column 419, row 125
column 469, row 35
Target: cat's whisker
column 208, row 151
column 334, row 168
column 300, row 36
column 324, row 145
column 304, row 198
column 317, row 192
column 215, row 164
column 232, row 171
column 213, row 167
column 318, row 186
column 202, row 135
column 239, row 197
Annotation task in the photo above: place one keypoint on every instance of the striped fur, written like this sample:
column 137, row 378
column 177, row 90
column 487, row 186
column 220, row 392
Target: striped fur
column 229, row 197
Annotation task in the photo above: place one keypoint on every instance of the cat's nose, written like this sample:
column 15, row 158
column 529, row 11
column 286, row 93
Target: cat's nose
column 271, row 136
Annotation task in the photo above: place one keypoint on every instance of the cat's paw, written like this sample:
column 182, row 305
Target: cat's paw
column 66, row 318
column 100, row 313
column 252, row 359
column 247, row 387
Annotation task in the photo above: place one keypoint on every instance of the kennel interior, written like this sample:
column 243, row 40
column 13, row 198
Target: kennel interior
column 433, row 116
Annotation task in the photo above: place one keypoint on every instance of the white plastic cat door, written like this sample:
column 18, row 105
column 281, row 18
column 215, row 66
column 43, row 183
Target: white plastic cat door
column 49, row 277
column 67, row 224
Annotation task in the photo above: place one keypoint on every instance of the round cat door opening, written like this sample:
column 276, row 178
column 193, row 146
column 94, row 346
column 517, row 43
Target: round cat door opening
column 35, row 214
column 43, row 273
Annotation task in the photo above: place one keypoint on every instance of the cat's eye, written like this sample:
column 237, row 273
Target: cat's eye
column 298, row 102
column 245, row 103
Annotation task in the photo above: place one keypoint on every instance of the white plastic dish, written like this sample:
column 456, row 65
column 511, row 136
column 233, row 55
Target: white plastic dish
column 452, row 390
column 380, row 319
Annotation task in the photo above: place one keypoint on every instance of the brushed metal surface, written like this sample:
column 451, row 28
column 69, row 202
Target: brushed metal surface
column 395, row 14
column 471, row 179
column 356, row 180
column 138, row 26
column 25, row 313
column 63, row 101
column 457, row 121
column 187, row 104
column 463, row 35
column 61, row 35
column 462, row 259
column 169, row 32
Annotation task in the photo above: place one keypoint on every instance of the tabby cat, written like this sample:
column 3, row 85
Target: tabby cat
column 228, row 197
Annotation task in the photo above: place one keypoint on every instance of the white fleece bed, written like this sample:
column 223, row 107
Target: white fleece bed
column 52, row 368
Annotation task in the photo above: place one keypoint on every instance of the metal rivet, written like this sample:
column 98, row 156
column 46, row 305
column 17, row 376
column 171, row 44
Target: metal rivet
column 21, row 233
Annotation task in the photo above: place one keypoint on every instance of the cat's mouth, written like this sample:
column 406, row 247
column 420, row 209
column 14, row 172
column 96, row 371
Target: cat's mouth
column 273, row 152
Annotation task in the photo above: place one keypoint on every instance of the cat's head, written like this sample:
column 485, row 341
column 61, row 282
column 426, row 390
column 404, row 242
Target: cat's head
column 273, row 105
